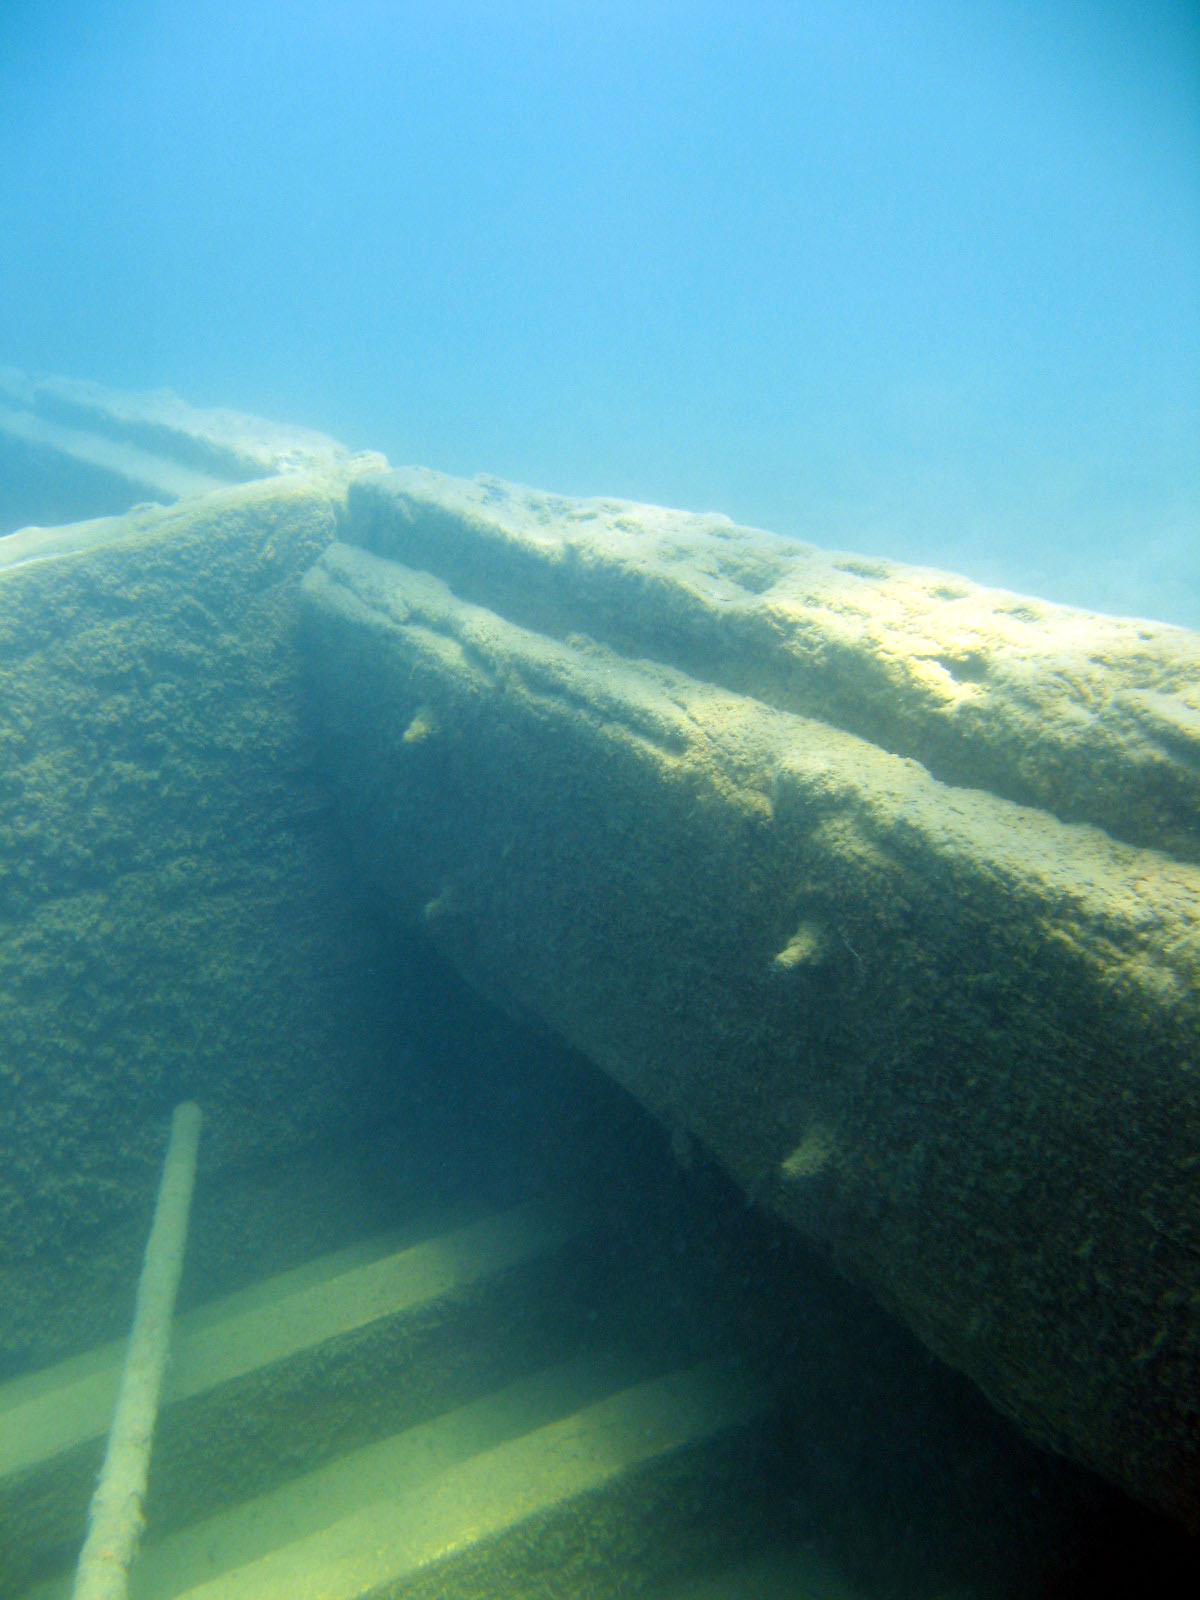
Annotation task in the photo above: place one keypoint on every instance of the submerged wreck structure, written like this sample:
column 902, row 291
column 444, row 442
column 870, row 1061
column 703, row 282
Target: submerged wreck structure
column 879, row 887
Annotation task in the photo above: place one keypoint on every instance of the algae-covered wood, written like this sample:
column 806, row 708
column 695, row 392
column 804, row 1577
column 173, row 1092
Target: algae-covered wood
column 172, row 920
column 951, row 1036
column 1095, row 718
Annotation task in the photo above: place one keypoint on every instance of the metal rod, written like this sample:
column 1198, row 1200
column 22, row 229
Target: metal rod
column 115, row 1519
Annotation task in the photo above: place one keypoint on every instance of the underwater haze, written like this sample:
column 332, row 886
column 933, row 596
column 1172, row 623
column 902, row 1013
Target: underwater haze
column 914, row 280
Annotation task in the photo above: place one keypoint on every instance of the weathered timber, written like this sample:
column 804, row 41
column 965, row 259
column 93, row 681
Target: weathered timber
column 951, row 1036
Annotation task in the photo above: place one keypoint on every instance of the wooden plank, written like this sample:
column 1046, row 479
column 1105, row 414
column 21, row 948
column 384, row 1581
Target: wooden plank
column 48, row 1412
column 401, row 1532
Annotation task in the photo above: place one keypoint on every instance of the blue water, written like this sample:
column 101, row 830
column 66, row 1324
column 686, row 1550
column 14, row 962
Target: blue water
column 918, row 280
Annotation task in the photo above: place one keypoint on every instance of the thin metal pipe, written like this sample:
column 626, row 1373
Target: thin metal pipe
column 115, row 1519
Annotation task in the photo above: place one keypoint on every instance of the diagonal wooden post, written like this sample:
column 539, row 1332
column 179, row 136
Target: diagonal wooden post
column 115, row 1518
